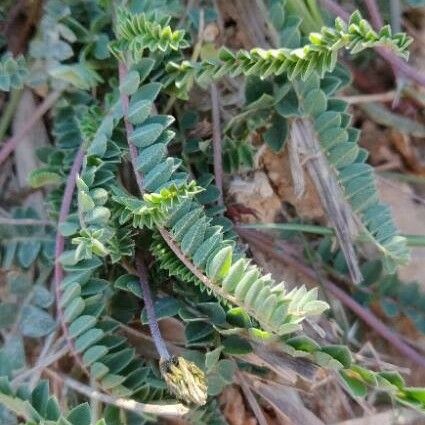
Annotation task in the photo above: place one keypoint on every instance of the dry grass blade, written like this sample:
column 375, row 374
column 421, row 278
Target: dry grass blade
column 339, row 212
column 286, row 402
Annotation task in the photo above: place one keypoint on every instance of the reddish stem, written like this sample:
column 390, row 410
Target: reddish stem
column 150, row 310
column 9, row 145
column 374, row 13
column 395, row 61
column 129, row 128
column 140, row 265
column 60, row 245
column 266, row 244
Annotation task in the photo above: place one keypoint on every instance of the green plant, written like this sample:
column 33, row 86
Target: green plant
column 139, row 239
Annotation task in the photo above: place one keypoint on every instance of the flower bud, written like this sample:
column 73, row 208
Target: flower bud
column 185, row 380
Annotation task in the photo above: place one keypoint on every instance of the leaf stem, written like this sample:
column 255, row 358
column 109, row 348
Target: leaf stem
column 412, row 240
column 266, row 244
column 58, row 273
column 400, row 64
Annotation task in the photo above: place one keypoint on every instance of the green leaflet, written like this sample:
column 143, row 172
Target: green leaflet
column 154, row 207
column 136, row 33
column 339, row 142
column 37, row 406
column 13, row 72
column 202, row 241
column 320, row 56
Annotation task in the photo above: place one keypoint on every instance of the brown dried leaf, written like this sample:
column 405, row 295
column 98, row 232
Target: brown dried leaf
column 234, row 408
column 278, row 170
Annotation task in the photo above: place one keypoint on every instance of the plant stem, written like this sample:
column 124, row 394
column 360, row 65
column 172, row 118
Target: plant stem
column 129, row 128
column 25, row 222
column 164, row 232
column 398, row 63
column 150, row 310
column 122, row 403
column 412, row 240
column 267, row 245
column 140, row 265
column 374, row 13
column 216, row 135
column 60, row 245
column 298, row 227
column 367, row 98
column 9, row 145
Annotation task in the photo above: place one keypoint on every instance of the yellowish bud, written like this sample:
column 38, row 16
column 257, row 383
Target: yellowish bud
column 185, row 380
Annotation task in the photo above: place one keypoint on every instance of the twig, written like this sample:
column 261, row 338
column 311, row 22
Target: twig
column 266, row 244
column 367, row 98
column 400, row 64
column 329, row 191
column 9, row 145
column 39, row 367
column 216, row 136
column 60, row 245
column 43, row 353
column 251, row 399
column 123, row 403
column 25, row 222
column 150, row 311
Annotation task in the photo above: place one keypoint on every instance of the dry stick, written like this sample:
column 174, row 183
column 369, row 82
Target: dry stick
column 9, row 145
column 39, row 367
column 216, row 136
column 368, row 98
column 388, row 55
column 59, row 248
column 123, row 403
column 329, row 192
column 258, row 412
column 367, row 316
column 25, row 222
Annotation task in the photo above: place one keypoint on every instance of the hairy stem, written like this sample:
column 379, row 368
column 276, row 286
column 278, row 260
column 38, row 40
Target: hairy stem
column 9, row 145
column 150, row 310
column 60, row 245
column 266, row 244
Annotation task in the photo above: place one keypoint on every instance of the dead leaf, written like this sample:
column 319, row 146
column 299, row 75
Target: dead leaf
column 255, row 193
column 403, row 145
column 234, row 408
column 279, row 172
